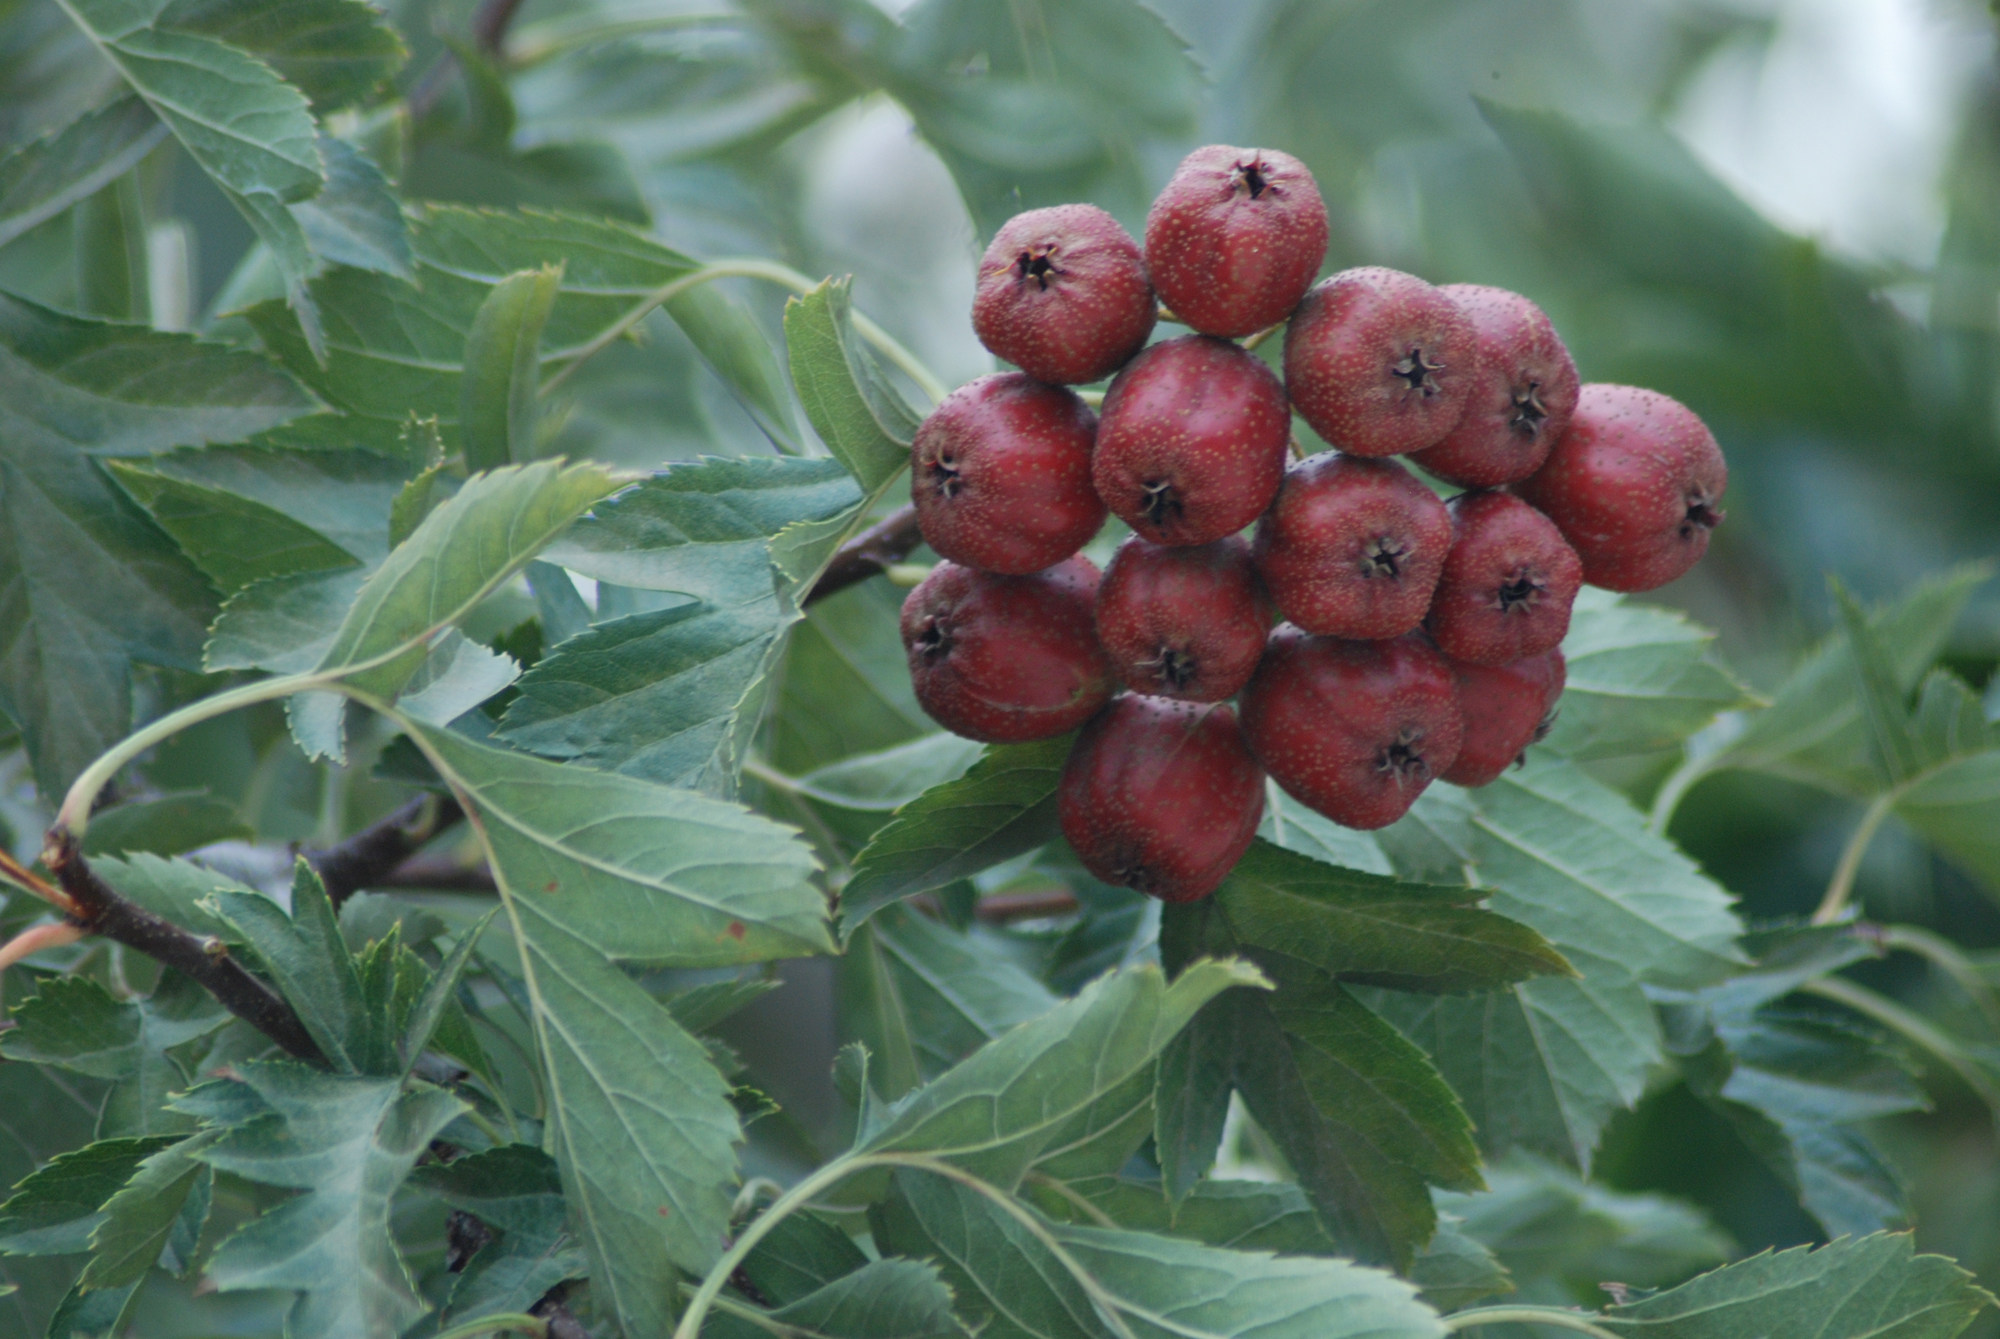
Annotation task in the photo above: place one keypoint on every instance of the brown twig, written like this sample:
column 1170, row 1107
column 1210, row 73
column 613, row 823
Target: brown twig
column 1000, row 908
column 489, row 24
column 870, row 553
column 98, row 909
column 439, row 874
column 372, row 855
column 554, row 1309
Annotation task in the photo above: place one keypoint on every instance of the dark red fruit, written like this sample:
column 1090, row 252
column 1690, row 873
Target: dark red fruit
column 1508, row 582
column 1192, row 441
column 1355, row 730
column 1235, row 239
column 1521, row 397
column 1161, row 796
column 1000, row 473
column 1063, row 294
column 1353, row 547
column 1186, row 622
column 1507, row 708
column 1004, row 659
column 1633, row 485
column 1380, row 362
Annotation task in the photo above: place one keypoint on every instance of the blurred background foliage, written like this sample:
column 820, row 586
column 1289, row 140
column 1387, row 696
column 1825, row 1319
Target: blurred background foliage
column 1784, row 212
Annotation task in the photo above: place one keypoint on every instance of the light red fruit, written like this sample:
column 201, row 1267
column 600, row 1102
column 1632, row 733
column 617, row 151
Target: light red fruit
column 1235, row 239
column 1507, row 708
column 1354, row 730
column 1000, row 474
column 1192, row 441
column 1380, row 362
column 1521, row 397
column 1063, row 294
column 1634, row 485
column 1508, row 582
column 1161, row 796
column 1186, row 622
column 1005, row 659
column 1353, row 547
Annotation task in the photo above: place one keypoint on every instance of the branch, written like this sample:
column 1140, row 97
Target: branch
column 489, row 25
column 370, row 856
column 98, row 909
column 870, row 553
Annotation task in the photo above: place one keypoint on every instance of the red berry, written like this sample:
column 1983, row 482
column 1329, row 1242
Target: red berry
column 1005, row 659
column 1521, row 397
column 1507, row 708
column 1355, row 730
column 1235, row 239
column 1353, row 547
column 1063, row 294
column 1161, row 796
column 1633, row 485
column 1000, row 473
column 1380, row 362
column 1186, row 622
column 1192, row 442
column 1508, row 582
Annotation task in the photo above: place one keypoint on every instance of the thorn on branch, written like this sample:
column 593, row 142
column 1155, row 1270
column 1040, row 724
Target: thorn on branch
column 870, row 553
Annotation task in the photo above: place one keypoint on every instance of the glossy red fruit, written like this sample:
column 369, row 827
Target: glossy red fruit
column 1353, row 547
column 1161, row 796
column 1192, row 441
column 1000, row 474
column 1004, row 659
column 1633, row 485
column 1235, row 239
column 1355, row 730
column 1507, row 708
column 1380, row 362
column 1063, row 294
column 1521, row 397
column 1508, row 582
column 1186, row 622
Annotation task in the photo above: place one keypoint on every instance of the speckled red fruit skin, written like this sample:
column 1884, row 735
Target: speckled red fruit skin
column 1186, row 622
column 1006, row 659
column 1346, row 344
column 1192, row 441
column 1507, row 707
column 1355, row 730
column 1352, row 547
column 1634, row 485
column 1000, row 475
column 1521, row 398
column 1235, row 239
column 1508, row 582
column 1161, row 796
column 1063, row 295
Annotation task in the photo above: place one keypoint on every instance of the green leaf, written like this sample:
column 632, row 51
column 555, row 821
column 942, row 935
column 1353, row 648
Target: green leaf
column 166, row 826
column 92, row 1315
column 735, row 349
column 149, row 1215
column 1005, row 805
column 516, row 1190
column 54, row 1211
column 172, row 889
column 88, row 585
column 356, row 218
column 1845, row 1290
column 890, row 778
column 499, row 395
column 347, row 1143
column 1885, row 715
column 1956, row 807
column 1455, row 1271
column 335, row 51
column 847, row 397
column 799, row 1256
column 306, row 958
column 282, row 624
column 1292, row 826
column 1640, row 678
column 883, row 1299
column 440, row 993
column 41, row 179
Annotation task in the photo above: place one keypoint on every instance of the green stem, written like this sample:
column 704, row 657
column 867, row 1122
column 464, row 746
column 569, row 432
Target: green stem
column 1069, row 1194
column 1842, row 884
column 1527, row 1315
column 1946, row 957
column 505, row 1323
column 1678, row 783
column 539, row 42
column 1911, row 1025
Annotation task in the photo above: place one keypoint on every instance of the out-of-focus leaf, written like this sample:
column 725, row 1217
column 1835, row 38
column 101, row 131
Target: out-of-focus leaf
column 166, row 826
column 730, row 341
column 41, row 179
column 890, row 778
column 499, row 394
column 847, row 397
column 799, row 1256
column 335, row 51
column 355, row 219
column 1640, row 678
column 1956, row 807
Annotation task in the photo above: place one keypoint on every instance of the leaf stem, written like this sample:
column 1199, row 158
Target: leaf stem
column 1947, row 958
column 51, row 934
column 1068, row 1193
column 539, row 41
column 1910, row 1024
column 1678, row 783
column 1842, row 885
column 1528, row 1315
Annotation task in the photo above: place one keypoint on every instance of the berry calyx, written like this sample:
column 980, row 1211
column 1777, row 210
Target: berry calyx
column 1633, row 485
column 1185, row 622
column 1063, row 294
column 1521, row 397
column 1353, row 547
column 1380, row 362
column 1192, row 440
column 1006, row 659
column 1235, row 238
column 1161, row 796
column 1354, row 730
column 1000, row 475
column 1507, row 708
column 1508, row 582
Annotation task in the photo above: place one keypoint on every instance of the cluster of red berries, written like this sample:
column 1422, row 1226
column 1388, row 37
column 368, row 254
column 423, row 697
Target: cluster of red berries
column 1420, row 636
